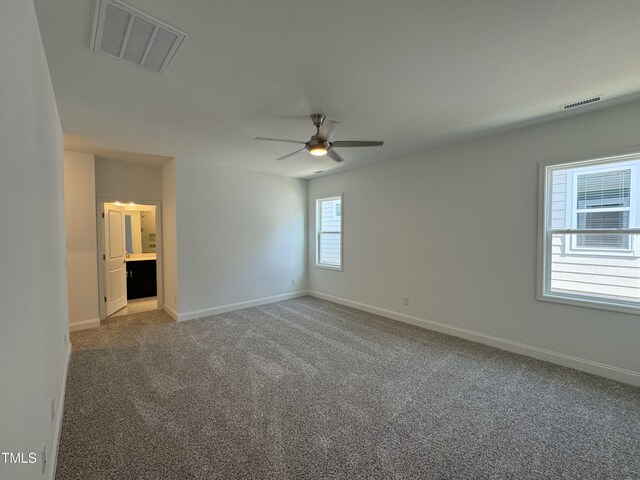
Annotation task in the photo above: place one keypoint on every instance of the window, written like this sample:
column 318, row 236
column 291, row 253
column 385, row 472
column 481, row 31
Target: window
column 590, row 245
column 329, row 232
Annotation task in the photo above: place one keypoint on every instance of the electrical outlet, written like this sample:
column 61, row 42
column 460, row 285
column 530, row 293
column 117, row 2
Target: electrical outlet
column 406, row 300
column 65, row 339
column 44, row 459
column 53, row 408
column 293, row 282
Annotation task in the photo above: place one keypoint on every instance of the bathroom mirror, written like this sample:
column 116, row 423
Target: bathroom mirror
column 140, row 229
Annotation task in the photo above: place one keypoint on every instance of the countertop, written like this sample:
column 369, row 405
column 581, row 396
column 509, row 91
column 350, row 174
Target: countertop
column 136, row 257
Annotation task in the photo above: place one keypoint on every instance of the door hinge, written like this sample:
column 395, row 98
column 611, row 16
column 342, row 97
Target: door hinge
column 104, row 257
column 105, row 299
column 102, row 214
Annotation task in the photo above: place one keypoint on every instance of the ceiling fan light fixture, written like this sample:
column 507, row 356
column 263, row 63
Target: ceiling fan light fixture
column 318, row 151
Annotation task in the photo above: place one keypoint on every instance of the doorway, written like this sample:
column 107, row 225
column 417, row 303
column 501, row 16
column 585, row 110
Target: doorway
column 130, row 257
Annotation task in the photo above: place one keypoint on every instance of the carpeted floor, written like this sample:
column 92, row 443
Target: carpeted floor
column 310, row 389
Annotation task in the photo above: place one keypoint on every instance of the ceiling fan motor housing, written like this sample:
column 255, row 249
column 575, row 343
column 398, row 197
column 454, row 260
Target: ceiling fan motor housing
column 318, row 119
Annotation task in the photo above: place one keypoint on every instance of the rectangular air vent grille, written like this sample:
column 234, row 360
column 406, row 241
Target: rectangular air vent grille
column 123, row 32
column 580, row 103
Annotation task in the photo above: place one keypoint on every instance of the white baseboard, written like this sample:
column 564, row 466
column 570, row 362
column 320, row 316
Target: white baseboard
column 170, row 311
column 84, row 324
column 53, row 458
column 182, row 317
column 589, row 366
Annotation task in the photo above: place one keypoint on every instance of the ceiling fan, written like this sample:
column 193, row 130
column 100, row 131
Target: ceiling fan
column 320, row 145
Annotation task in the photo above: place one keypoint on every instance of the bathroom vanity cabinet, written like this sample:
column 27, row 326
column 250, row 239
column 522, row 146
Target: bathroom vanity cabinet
column 141, row 279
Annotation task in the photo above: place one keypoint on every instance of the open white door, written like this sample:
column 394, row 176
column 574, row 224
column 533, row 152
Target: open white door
column 115, row 270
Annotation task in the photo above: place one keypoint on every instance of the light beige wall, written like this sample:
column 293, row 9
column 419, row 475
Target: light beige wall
column 241, row 237
column 169, row 238
column 127, row 181
column 33, row 280
column 82, row 246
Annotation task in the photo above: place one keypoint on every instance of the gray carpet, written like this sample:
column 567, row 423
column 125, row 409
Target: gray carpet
column 309, row 389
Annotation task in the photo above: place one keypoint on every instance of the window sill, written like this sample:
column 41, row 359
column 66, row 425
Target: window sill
column 328, row 267
column 600, row 253
column 586, row 302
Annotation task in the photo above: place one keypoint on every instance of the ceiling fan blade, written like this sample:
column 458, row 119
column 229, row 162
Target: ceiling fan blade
column 356, row 143
column 328, row 129
column 334, row 156
column 279, row 140
column 289, row 154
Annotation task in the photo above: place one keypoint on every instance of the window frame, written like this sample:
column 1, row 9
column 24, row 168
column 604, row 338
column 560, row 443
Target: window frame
column 318, row 201
column 545, row 231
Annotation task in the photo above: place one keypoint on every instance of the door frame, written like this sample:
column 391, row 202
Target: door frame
column 100, row 201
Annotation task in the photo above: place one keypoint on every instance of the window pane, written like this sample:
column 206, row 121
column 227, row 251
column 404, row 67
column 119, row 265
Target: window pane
column 595, row 220
column 598, row 276
column 328, row 214
column 613, row 219
column 604, row 190
column 329, row 249
column 594, row 196
column 558, row 198
column 610, row 241
column 329, row 221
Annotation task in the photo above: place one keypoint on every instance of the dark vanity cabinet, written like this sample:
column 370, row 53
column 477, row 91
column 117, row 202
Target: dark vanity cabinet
column 141, row 279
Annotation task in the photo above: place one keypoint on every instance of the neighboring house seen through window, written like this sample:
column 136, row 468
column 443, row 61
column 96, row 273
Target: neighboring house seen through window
column 603, row 200
column 329, row 232
column 591, row 233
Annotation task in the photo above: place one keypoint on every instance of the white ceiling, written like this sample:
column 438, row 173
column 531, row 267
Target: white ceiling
column 415, row 73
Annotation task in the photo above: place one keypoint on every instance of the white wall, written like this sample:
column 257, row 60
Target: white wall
column 169, row 236
column 127, row 182
column 82, row 247
column 456, row 231
column 241, row 237
column 33, row 283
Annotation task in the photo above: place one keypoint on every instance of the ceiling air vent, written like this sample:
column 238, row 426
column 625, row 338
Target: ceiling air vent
column 580, row 103
column 123, row 32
